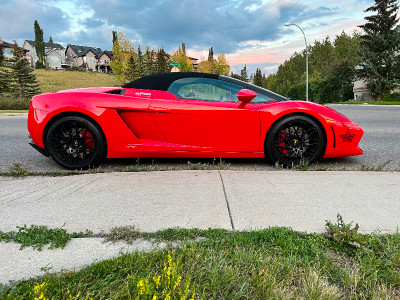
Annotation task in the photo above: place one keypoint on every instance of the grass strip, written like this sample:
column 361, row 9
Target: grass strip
column 264, row 264
column 39, row 236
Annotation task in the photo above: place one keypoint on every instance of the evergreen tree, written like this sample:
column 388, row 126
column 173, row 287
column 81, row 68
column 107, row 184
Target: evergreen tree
column 149, row 61
column 162, row 64
column 1, row 54
column 211, row 54
column 243, row 74
column 50, row 40
column 24, row 83
column 139, row 70
column 115, row 36
column 130, row 69
column 5, row 81
column 39, row 44
column 236, row 76
column 258, row 78
column 380, row 67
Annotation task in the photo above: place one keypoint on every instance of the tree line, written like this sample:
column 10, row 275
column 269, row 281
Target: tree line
column 335, row 65
column 130, row 63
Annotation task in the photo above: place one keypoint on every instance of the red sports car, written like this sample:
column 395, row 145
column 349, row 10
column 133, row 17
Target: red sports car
column 186, row 115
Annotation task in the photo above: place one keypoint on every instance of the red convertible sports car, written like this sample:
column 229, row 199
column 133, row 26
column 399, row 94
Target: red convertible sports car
column 186, row 115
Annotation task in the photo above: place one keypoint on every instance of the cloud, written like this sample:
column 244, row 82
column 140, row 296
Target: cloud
column 223, row 24
column 17, row 18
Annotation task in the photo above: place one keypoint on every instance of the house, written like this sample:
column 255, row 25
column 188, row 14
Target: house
column 54, row 54
column 103, row 62
column 88, row 58
column 7, row 49
column 361, row 93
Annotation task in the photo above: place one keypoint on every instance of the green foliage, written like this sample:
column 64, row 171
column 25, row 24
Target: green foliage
column 329, row 63
column 130, row 69
column 162, row 62
column 23, row 82
column 258, row 78
column 149, row 62
column 342, row 232
column 273, row 263
column 243, row 74
column 380, row 66
column 17, row 82
column 17, row 170
column 1, row 55
column 39, row 45
column 38, row 236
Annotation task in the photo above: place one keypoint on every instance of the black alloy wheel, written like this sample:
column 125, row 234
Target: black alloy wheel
column 75, row 143
column 295, row 140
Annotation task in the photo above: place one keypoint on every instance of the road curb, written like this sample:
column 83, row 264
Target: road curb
column 13, row 114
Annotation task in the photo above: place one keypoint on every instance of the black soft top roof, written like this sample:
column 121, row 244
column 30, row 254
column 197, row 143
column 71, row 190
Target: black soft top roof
column 162, row 81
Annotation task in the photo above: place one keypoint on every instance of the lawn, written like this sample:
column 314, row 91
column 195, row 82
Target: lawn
column 273, row 263
column 53, row 80
column 56, row 80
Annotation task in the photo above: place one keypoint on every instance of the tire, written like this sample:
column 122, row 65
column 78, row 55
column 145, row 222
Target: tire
column 294, row 140
column 76, row 142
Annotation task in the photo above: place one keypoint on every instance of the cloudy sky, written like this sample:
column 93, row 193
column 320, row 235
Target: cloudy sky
column 249, row 32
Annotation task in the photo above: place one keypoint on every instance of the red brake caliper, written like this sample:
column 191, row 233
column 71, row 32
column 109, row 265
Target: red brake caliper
column 281, row 142
column 88, row 139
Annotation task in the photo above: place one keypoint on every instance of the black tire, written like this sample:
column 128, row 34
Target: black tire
column 294, row 140
column 76, row 143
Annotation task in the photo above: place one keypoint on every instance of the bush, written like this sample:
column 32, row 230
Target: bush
column 12, row 103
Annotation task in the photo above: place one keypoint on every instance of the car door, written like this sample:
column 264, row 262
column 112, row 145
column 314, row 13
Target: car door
column 205, row 116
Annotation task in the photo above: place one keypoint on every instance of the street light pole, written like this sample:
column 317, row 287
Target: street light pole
column 306, row 56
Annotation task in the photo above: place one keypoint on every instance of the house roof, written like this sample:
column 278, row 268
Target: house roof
column 108, row 53
column 46, row 45
column 82, row 50
column 7, row 45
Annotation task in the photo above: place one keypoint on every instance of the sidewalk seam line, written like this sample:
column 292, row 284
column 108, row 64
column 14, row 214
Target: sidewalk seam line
column 227, row 202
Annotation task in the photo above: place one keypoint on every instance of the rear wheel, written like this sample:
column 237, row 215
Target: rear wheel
column 294, row 140
column 75, row 142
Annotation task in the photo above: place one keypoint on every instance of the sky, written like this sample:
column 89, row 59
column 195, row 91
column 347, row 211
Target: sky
column 248, row 32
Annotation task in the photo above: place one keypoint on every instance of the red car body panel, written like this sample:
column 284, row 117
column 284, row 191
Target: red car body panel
column 154, row 123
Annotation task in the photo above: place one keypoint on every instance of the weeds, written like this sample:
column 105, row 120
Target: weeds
column 266, row 264
column 38, row 236
column 17, row 170
column 342, row 232
column 379, row 168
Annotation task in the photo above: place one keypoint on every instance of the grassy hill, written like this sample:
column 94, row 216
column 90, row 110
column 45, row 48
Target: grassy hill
column 56, row 80
column 53, row 80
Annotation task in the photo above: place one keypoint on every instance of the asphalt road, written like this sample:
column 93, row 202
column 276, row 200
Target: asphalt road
column 381, row 145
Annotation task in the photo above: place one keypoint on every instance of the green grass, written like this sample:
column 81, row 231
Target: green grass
column 38, row 236
column 273, row 263
column 53, row 80
column 10, row 111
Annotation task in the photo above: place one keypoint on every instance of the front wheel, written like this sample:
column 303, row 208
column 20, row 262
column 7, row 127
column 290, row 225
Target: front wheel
column 294, row 140
column 75, row 142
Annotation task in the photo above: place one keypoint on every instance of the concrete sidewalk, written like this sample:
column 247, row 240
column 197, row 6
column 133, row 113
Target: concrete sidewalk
column 152, row 201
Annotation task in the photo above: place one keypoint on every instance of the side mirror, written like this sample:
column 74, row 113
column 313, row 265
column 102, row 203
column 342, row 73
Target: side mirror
column 245, row 96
